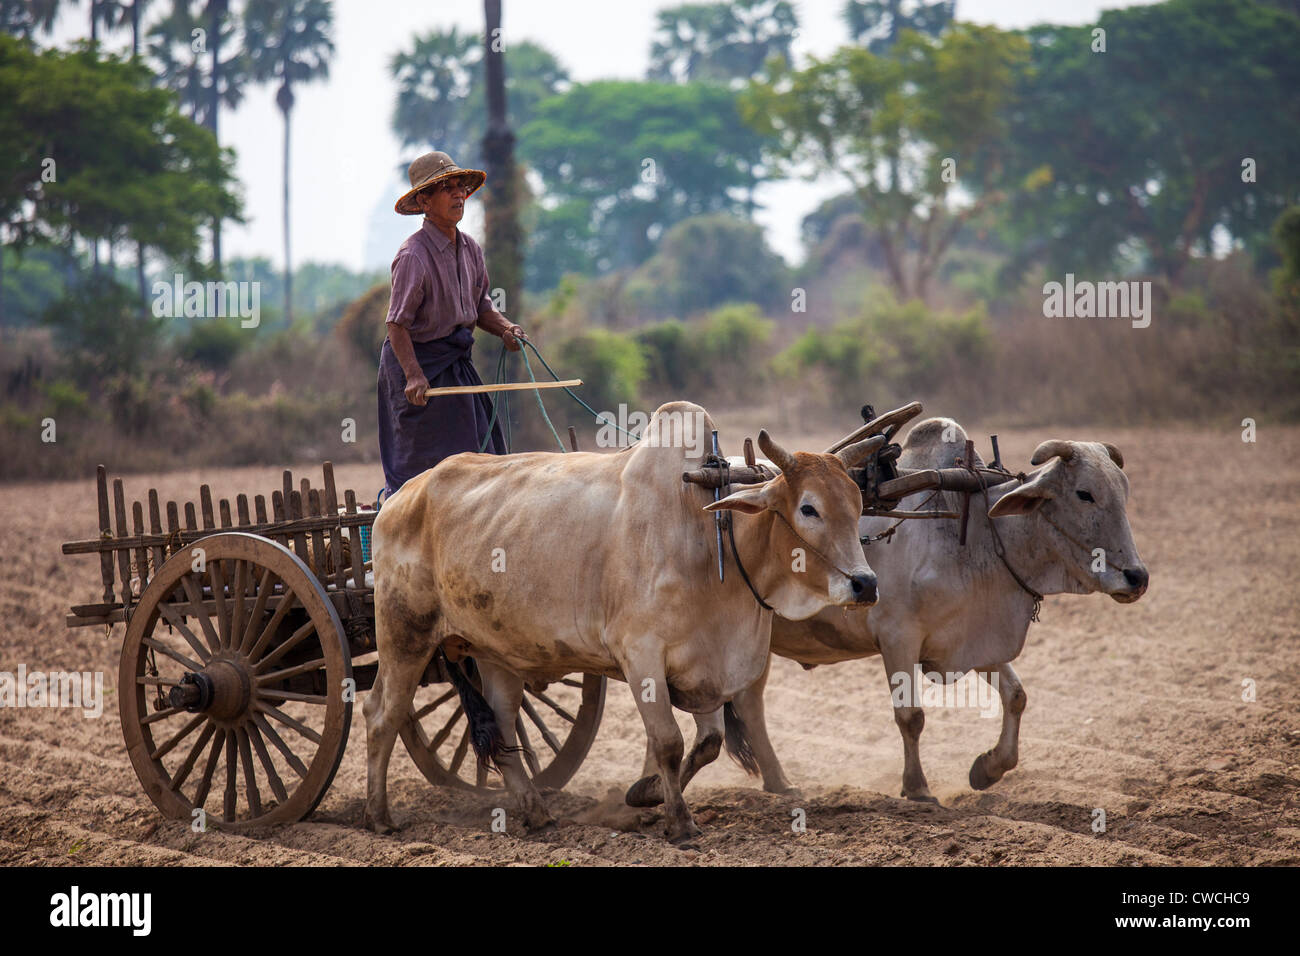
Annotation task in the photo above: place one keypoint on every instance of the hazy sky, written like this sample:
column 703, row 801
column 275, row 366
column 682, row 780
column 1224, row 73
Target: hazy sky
column 343, row 151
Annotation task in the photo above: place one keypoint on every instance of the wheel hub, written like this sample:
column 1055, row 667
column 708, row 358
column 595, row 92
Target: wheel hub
column 222, row 690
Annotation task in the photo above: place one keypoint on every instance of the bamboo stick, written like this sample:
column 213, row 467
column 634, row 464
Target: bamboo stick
column 503, row 387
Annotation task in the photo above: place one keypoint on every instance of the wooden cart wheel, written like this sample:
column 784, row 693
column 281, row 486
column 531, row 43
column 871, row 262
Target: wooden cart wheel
column 232, row 682
column 556, row 728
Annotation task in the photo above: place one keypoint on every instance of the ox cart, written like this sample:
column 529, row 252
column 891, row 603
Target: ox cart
column 249, row 634
column 248, row 637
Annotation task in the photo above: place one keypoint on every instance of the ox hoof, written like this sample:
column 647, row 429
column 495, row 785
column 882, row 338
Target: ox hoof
column 922, row 796
column 785, row 790
column 980, row 776
column 382, row 824
column 646, row 792
column 684, row 837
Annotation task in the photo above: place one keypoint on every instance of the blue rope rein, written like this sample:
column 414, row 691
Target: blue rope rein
column 594, row 414
column 500, row 399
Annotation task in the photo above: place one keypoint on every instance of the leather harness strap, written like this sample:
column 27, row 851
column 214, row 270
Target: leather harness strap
column 731, row 536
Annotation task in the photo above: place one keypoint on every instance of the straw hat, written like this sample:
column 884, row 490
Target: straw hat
column 429, row 169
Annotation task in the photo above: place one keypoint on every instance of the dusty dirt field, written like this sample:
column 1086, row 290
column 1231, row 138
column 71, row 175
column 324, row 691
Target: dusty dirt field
column 1134, row 709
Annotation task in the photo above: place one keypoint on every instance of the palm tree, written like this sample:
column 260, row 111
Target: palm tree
column 108, row 13
column 24, row 17
column 178, row 65
column 288, row 41
column 502, row 208
column 202, row 89
column 226, row 79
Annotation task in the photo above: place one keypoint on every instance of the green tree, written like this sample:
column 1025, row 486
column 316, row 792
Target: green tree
column 23, row 18
column 624, row 161
column 1147, row 140
column 186, row 46
column 178, row 58
column 705, row 261
column 877, row 24
column 97, row 152
column 903, row 128
column 441, row 91
column 720, row 41
column 289, row 41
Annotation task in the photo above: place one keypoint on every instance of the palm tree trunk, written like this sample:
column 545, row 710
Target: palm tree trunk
column 501, row 211
column 288, row 266
column 214, row 103
column 139, row 246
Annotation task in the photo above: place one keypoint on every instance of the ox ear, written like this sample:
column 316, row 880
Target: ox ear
column 750, row 501
column 1026, row 499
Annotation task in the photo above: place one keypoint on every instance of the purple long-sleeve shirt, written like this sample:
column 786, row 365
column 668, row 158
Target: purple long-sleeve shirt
column 438, row 285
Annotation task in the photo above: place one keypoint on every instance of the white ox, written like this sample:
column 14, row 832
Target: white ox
column 951, row 608
column 539, row 565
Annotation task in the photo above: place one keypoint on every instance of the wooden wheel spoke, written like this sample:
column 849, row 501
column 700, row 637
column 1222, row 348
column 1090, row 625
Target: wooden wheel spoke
column 264, row 589
column 294, row 639
column 205, row 783
column 287, row 601
column 536, row 718
column 183, row 771
column 290, row 722
column 276, row 694
column 428, row 709
column 176, row 621
column 277, row 785
column 175, row 655
column 250, row 778
column 570, row 682
column 218, row 578
column 529, row 754
column 231, row 794
column 564, row 714
column 177, row 737
column 288, row 672
column 240, row 603
column 298, row 767
column 162, row 714
column 446, row 730
column 462, row 748
column 195, row 594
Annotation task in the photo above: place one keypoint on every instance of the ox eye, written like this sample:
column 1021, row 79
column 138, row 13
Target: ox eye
column 810, row 511
column 1085, row 496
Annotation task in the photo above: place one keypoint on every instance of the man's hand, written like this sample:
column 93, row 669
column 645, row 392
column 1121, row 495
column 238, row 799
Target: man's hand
column 415, row 386
column 511, row 337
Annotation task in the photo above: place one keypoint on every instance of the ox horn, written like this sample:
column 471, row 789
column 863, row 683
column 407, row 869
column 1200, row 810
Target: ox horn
column 1053, row 448
column 774, row 452
column 1115, row 455
column 853, row 455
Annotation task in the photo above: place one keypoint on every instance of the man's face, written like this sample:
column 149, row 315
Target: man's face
column 444, row 203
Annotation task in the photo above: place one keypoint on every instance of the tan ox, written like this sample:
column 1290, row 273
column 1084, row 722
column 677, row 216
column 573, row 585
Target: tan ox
column 547, row 564
column 949, row 608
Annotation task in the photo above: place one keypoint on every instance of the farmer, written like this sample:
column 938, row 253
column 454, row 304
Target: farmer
column 440, row 292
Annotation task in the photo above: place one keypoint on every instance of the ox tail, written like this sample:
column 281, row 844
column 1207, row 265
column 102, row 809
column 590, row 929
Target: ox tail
column 484, row 733
column 737, row 739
